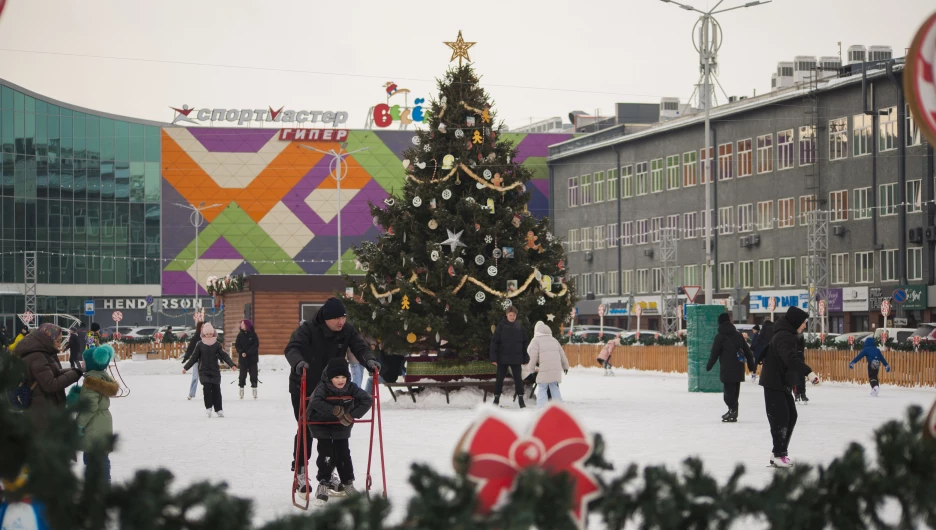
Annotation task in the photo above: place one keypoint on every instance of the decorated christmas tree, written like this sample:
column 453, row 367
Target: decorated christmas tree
column 457, row 244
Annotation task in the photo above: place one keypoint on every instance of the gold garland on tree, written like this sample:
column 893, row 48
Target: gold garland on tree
column 501, row 189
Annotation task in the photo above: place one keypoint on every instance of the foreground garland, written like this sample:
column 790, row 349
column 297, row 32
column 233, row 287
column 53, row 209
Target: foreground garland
column 851, row 492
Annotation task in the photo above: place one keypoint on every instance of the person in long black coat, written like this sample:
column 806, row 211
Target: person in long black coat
column 509, row 350
column 76, row 347
column 732, row 352
column 247, row 346
column 780, row 362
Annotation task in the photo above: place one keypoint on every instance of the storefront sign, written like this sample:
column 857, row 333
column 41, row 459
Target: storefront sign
column 785, row 300
column 140, row 303
column 850, row 299
column 650, row 305
column 916, row 296
column 314, row 135
column 242, row 116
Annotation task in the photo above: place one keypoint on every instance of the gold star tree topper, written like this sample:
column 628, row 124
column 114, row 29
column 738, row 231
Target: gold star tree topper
column 460, row 48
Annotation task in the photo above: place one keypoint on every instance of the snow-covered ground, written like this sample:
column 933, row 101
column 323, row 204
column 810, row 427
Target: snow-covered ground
column 647, row 418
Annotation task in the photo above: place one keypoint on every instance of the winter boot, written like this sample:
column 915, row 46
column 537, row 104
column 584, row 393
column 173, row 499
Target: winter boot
column 220, row 413
column 240, row 392
column 321, row 493
column 520, row 401
column 804, row 399
column 208, row 411
column 496, row 399
column 732, row 416
column 724, row 417
column 254, row 390
column 781, row 461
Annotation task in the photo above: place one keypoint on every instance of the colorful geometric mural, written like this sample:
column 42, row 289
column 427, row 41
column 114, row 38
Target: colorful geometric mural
column 277, row 202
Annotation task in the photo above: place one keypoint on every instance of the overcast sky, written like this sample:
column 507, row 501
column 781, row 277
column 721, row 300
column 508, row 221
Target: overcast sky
column 538, row 58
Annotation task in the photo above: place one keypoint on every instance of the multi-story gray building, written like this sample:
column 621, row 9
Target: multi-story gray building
column 843, row 147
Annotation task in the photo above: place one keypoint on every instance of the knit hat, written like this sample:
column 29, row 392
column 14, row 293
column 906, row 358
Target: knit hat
column 208, row 334
column 50, row 330
column 724, row 317
column 98, row 358
column 756, row 327
column 333, row 308
column 796, row 316
column 337, row 366
column 95, row 327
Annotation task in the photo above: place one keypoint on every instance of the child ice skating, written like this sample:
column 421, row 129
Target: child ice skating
column 95, row 423
column 208, row 353
column 333, row 407
column 875, row 360
column 546, row 351
column 604, row 356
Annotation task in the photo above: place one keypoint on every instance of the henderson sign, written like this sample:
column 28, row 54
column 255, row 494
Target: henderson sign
column 241, row 116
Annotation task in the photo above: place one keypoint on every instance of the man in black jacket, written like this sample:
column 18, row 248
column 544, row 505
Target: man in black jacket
column 76, row 346
column 730, row 348
column 509, row 350
column 779, row 362
column 315, row 342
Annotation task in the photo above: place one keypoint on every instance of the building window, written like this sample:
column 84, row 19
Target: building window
column 627, row 282
column 914, row 196
column 655, row 225
column 838, row 271
column 887, row 199
column 689, row 169
column 746, row 218
column 915, row 263
column 643, row 281
column 724, row 220
column 600, row 237
column 585, row 183
column 887, row 129
column 612, row 184
column 599, row 187
column 785, row 149
column 643, row 232
column 807, row 204
column 672, row 172
column 807, row 145
column 613, row 282
column 765, row 215
column 765, row 153
column 672, row 224
column 804, row 269
column 838, row 139
column 599, row 283
column 691, row 275
column 627, row 233
column 725, row 166
column 747, row 274
column 704, row 162
column 587, row 238
column 888, row 265
column 787, row 272
column 643, row 186
column 864, row 267
column 745, row 158
column 612, row 235
column 573, row 240
column 861, row 134
column 726, row 275
column 862, row 203
column 573, row 192
column 786, row 213
column 627, row 182
column 585, row 286
column 838, row 205
column 690, row 225
column 656, row 175
column 913, row 130
column 766, row 272
column 657, row 280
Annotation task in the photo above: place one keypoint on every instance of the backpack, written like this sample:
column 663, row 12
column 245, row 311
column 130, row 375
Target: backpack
column 20, row 396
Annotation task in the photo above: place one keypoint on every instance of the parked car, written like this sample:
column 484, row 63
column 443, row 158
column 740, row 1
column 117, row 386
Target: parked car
column 108, row 332
column 144, row 332
column 815, row 336
column 895, row 334
column 842, row 340
column 926, row 331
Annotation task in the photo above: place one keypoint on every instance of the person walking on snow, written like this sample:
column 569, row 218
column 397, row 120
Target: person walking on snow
column 875, row 360
column 333, row 407
column 544, row 350
column 75, row 348
column 196, row 338
column 208, row 354
column 248, row 346
column 509, row 350
column 779, row 360
column 731, row 351
column 312, row 345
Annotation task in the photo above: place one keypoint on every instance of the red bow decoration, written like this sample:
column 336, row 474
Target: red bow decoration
column 556, row 443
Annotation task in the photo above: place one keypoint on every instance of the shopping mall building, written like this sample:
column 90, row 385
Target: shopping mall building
column 93, row 206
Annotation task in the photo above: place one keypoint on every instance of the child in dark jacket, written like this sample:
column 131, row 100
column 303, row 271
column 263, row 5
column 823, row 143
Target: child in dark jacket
column 208, row 354
column 875, row 359
column 333, row 407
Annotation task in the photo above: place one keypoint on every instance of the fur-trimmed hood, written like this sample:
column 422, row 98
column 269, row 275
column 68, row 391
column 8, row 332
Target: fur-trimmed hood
column 101, row 383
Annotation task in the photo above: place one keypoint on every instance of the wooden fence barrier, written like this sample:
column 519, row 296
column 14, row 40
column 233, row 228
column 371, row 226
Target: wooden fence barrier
column 908, row 369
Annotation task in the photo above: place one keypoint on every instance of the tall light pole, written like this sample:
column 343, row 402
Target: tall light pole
column 709, row 42
column 196, row 218
column 334, row 168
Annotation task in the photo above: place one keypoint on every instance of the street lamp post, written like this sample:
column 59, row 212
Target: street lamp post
column 334, row 167
column 196, row 218
column 710, row 41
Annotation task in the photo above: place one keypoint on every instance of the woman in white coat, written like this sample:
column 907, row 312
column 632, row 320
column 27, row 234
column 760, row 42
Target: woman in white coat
column 546, row 352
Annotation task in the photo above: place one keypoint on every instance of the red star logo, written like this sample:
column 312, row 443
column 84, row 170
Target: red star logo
column 185, row 112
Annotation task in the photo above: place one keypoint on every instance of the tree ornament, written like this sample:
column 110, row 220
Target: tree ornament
column 418, row 301
column 454, row 240
column 427, row 148
column 442, row 128
column 549, row 237
column 505, row 304
column 389, row 201
column 451, row 270
column 488, row 239
column 479, row 259
column 433, row 224
column 459, row 261
column 531, row 241
column 497, row 180
column 550, row 317
column 406, row 163
column 374, row 315
column 487, row 174
column 416, row 140
column 446, row 194
column 476, row 138
column 448, row 162
column 421, row 165
column 538, row 275
column 516, row 220
column 470, row 121
column 432, row 204
column 405, row 303
column 561, row 265
column 496, row 253
column 479, row 185
column 434, row 255
column 508, row 253
column 492, row 271
column 547, row 283
column 490, row 206
column 411, row 338
column 476, row 296
column 459, row 134
column 479, row 297
column 428, row 329
column 469, row 199
column 486, row 115
column 438, row 337
column 541, row 300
